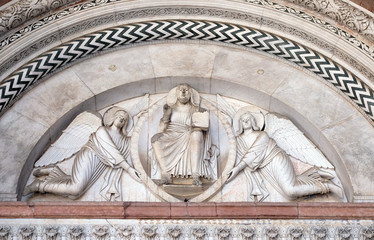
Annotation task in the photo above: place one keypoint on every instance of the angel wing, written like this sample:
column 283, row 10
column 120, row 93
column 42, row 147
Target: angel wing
column 141, row 107
column 225, row 107
column 136, row 111
column 294, row 142
column 72, row 139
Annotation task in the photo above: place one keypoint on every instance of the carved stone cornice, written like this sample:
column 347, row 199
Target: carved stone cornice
column 344, row 13
column 186, row 229
column 341, row 11
column 15, row 14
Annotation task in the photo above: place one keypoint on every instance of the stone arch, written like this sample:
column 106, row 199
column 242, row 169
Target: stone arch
column 354, row 85
column 209, row 75
column 86, row 45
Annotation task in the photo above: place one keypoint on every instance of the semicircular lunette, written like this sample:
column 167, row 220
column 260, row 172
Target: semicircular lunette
column 193, row 148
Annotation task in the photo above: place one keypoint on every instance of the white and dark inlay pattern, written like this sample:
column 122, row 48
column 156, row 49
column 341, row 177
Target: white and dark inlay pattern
column 67, row 53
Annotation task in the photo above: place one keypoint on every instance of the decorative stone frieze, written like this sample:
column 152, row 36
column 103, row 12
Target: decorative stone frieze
column 296, row 233
column 76, row 232
column 101, row 232
column 247, row 233
column 171, row 11
column 367, row 233
column 175, row 232
column 27, row 232
column 187, row 229
column 319, row 233
column 344, row 233
column 223, row 233
column 17, row 13
column 4, row 232
column 125, row 232
column 344, row 13
column 199, row 233
column 51, row 233
column 272, row 233
column 149, row 232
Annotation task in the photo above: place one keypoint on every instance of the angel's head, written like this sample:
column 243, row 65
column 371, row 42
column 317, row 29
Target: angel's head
column 248, row 121
column 121, row 118
column 116, row 116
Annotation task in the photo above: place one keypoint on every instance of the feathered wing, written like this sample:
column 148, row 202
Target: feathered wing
column 289, row 138
column 136, row 111
column 141, row 107
column 73, row 138
column 225, row 107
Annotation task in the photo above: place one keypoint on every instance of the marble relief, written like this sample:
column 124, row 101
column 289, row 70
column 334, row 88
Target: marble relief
column 192, row 229
column 183, row 146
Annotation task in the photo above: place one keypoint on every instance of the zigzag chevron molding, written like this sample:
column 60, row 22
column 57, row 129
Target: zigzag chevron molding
column 29, row 74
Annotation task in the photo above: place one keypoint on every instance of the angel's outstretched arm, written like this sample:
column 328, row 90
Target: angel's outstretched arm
column 235, row 171
column 131, row 171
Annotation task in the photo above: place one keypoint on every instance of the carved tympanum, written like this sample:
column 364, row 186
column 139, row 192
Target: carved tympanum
column 184, row 148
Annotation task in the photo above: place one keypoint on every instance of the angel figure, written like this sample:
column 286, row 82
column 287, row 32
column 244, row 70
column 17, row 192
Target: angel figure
column 260, row 155
column 107, row 148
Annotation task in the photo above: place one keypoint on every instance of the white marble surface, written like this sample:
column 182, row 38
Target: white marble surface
column 50, row 100
column 111, row 70
column 187, row 59
column 210, row 228
column 106, row 79
column 19, row 134
column 314, row 100
column 357, row 150
column 251, row 69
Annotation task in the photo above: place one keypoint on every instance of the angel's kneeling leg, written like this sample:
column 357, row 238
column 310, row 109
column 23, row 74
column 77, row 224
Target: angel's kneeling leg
column 84, row 169
column 292, row 185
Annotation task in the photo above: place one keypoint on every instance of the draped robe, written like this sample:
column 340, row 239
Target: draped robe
column 173, row 149
column 102, row 152
column 265, row 160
